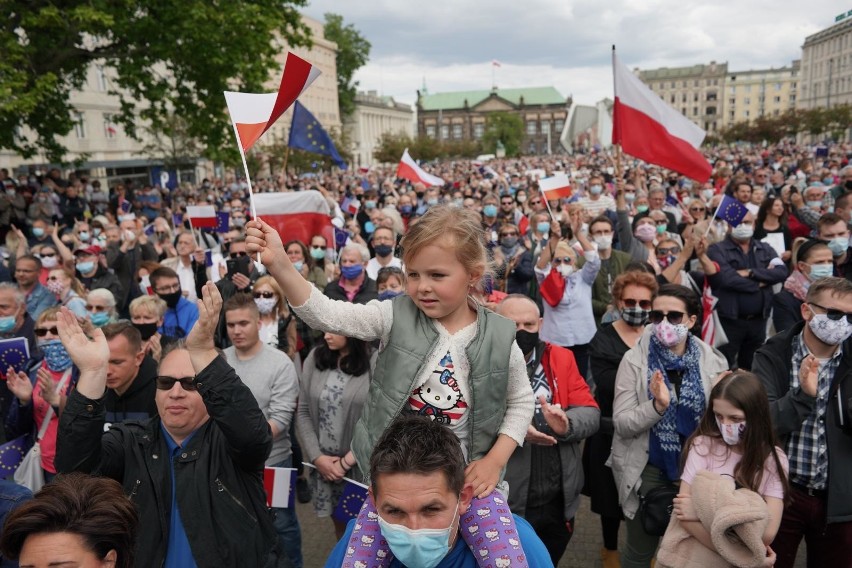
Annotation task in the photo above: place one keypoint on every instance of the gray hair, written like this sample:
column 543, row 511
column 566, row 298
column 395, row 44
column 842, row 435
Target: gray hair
column 103, row 294
column 356, row 247
column 20, row 297
column 392, row 214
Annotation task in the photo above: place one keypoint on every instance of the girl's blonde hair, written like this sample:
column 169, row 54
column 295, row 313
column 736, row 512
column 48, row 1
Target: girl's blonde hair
column 149, row 305
column 457, row 229
column 283, row 310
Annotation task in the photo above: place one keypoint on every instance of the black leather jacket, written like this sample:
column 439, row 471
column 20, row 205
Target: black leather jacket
column 218, row 474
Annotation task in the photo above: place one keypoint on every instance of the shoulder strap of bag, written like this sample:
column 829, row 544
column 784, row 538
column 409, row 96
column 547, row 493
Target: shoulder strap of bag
column 49, row 415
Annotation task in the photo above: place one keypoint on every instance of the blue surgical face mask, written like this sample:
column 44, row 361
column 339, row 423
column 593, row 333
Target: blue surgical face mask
column 85, row 267
column 596, row 189
column 99, row 319
column 7, row 324
column 370, row 204
column 351, row 272
column 821, row 271
column 405, row 209
column 641, row 208
column 388, row 294
column 489, row 210
column 543, row 227
column 317, row 254
column 369, row 227
column 838, row 245
column 424, row 548
column 298, row 265
column 55, row 355
column 38, row 232
column 84, row 236
column 816, row 204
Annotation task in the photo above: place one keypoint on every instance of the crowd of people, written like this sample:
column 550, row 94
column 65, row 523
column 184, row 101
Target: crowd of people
column 627, row 343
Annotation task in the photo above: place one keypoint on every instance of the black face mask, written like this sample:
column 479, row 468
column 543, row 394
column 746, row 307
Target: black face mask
column 172, row 299
column 527, row 340
column 146, row 330
column 848, row 185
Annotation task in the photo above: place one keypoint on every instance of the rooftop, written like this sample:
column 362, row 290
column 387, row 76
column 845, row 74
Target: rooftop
column 691, row 71
column 531, row 96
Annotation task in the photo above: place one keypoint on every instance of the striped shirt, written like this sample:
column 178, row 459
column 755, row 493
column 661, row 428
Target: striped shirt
column 807, row 449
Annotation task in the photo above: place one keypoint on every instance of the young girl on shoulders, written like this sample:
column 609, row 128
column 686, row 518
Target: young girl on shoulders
column 735, row 438
column 441, row 354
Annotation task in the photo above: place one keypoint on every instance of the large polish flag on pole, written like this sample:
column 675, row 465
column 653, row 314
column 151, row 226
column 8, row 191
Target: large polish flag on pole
column 296, row 215
column 649, row 129
column 253, row 114
column 408, row 169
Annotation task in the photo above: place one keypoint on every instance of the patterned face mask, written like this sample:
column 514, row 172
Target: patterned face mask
column 732, row 433
column 830, row 332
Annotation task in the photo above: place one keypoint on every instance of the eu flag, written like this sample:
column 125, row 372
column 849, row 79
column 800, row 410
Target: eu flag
column 223, row 219
column 307, row 134
column 731, row 211
column 350, row 502
column 11, row 454
column 14, row 353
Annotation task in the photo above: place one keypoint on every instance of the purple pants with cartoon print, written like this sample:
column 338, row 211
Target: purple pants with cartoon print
column 487, row 527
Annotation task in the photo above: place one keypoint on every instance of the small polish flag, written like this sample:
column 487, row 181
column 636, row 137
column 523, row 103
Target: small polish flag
column 408, row 169
column 202, row 216
column 555, row 187
column 296, row 215
column 495, row 63
column 350, row 205
column 253, row 114
column 280, row 484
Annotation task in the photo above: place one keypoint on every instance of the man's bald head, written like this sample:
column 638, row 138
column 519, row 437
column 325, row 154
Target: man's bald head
column 521, row 310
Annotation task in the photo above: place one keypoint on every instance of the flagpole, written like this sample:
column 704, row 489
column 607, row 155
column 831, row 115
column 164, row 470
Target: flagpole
column 286, row 158
column 245, row 168
column 194, row 234
column 710, row 224
column 352, row 481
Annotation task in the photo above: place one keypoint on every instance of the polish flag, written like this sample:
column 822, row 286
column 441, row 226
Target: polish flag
column 202, row 216
column 280, row 486
column 649, row 129
column 253, row 114
column 408, row 169
column 555, row 187
column 296, row 215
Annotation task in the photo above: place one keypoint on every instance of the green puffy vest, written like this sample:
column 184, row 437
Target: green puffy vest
column 413, row 338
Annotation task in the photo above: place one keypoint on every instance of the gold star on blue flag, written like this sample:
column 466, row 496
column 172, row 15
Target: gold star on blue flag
column 731, row 211
column 11, row 454
column 14, row 353
column 350, row 502
column 307, row 134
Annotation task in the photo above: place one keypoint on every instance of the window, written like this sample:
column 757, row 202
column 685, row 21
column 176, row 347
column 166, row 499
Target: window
column 711, row 96
column 710, row 110
column 777, row 86
column 695, row 98
column 683, row 84
column 776, row 99
column 732, row 101
column 731, row 115
column 478, row 130
column 694, row 111
column 673, row 84
column 683, row 111
column 748, row 88
column 695, row 83
column 673, row 99
column 457, row 131
column 445, row 131
column 79, row 125
column 531, row 128
column 545, row 127
column 430, row 131
column 558, row 125
column 792, row 98
column 103, row 84
column 748, row 100
column 746, row 114
column 109, row 126
column 683, row 98
column 532, row 147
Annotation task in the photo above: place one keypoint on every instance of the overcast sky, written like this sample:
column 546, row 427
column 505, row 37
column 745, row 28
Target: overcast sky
column 450, row 44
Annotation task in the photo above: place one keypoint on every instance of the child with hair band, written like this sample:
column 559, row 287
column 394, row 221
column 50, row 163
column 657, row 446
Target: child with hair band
column 735, row 438
column 441, row 355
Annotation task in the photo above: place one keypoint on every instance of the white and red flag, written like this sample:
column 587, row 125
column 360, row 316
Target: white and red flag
column 649, row 129
column 408, row 169
column 555, row 187
column 253, row 114
column 280, row 486
column 296, row 215
column 202, row 216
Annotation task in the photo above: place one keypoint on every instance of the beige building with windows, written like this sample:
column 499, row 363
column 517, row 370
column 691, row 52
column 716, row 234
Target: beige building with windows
column 826, row 78
column 373, row 116
column 764, row 92
column 462, row 115
column 111, row 155
column 696, row 91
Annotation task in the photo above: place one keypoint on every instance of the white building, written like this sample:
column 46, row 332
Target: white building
column 826, row 78
column 373, row 116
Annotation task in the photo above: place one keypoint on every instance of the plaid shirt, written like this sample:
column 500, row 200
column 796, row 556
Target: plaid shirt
column 807, row 449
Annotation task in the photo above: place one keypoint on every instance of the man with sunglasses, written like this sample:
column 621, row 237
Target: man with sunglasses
column 807, row 372
column 195, row 473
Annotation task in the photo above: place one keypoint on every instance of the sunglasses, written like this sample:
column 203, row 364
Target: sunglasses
column 661, row 222
column 562, row 260
column 671, row 250
column 239, row 254
column 47, row 255
column 631, row 303
column 697, row 209
column 266, row 295
column 657, row 316
column 509, row 235
column 166, row 383
column 832, row 314
column 315, row 247
column 535, row 202
column 42, row 331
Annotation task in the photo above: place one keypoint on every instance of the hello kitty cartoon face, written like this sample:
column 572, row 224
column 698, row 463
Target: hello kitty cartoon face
column 514, row 542
column 483, row 512
column 350, row 551
column 506, row 520
column 372, row 515
column 498, row 501
column 360, row 564
column 472, row 529
column 367, row 540
column 381, row 553
column 357, row 527
column 503, row 562
column 483, row 552
column 492, row 534
column 442, row 393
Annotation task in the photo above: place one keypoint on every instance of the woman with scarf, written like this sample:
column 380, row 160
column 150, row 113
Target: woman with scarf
column 68, row 290
column 812, row 259
column 514, row 261
column 661, row 392
column 41, row 391
column 567, row 292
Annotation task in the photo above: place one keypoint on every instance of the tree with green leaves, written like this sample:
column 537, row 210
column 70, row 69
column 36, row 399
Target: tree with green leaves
column 167, row 58
column 506, row 128
column 353, row 52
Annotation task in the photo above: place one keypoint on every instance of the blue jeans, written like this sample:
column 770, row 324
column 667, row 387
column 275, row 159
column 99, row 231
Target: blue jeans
column 287, row 527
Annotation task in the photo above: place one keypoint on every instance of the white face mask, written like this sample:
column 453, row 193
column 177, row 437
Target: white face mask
column 830, row 332
column 265, row 305
column 742, row 232
column 565, row 270
column 732, row 433
column 604, row 242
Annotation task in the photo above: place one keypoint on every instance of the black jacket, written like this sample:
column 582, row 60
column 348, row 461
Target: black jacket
column 218, row 475
column 103, row 278
column 786, row 310
column 137, row 402
column 790, row 407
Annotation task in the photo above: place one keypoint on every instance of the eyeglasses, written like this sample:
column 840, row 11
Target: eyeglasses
column 697, row 209
column 535, row 202
column 42, row 331
column 832, row 314
column 239, row 254
column 166, row 383
column 563, row 260
column 97, row 309
column 266, row 295
column 670, row 250
column 168, row 289
column 656, row 316
column 659, row 222
column 631, row 303
column 509, row 234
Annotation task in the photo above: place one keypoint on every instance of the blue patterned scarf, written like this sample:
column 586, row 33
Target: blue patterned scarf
column 683, row 414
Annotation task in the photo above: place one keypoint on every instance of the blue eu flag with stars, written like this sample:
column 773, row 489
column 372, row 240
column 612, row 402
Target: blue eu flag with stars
column 731, row 211
column 307, row 134
column 350, row 502
column 14, row 353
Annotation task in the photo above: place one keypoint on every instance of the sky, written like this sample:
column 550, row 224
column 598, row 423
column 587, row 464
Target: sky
column 449, row 44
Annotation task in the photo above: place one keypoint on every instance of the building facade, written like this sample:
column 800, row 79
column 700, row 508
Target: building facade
column 826, row 78
column 696, row 91
column 373, row 116
column 765, row 92
column 462, row 115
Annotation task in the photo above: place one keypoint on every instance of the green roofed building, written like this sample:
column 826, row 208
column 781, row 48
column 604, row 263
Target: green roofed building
column 461, row 115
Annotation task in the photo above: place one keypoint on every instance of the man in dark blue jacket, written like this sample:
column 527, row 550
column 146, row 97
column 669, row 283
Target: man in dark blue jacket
column 747, row 271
